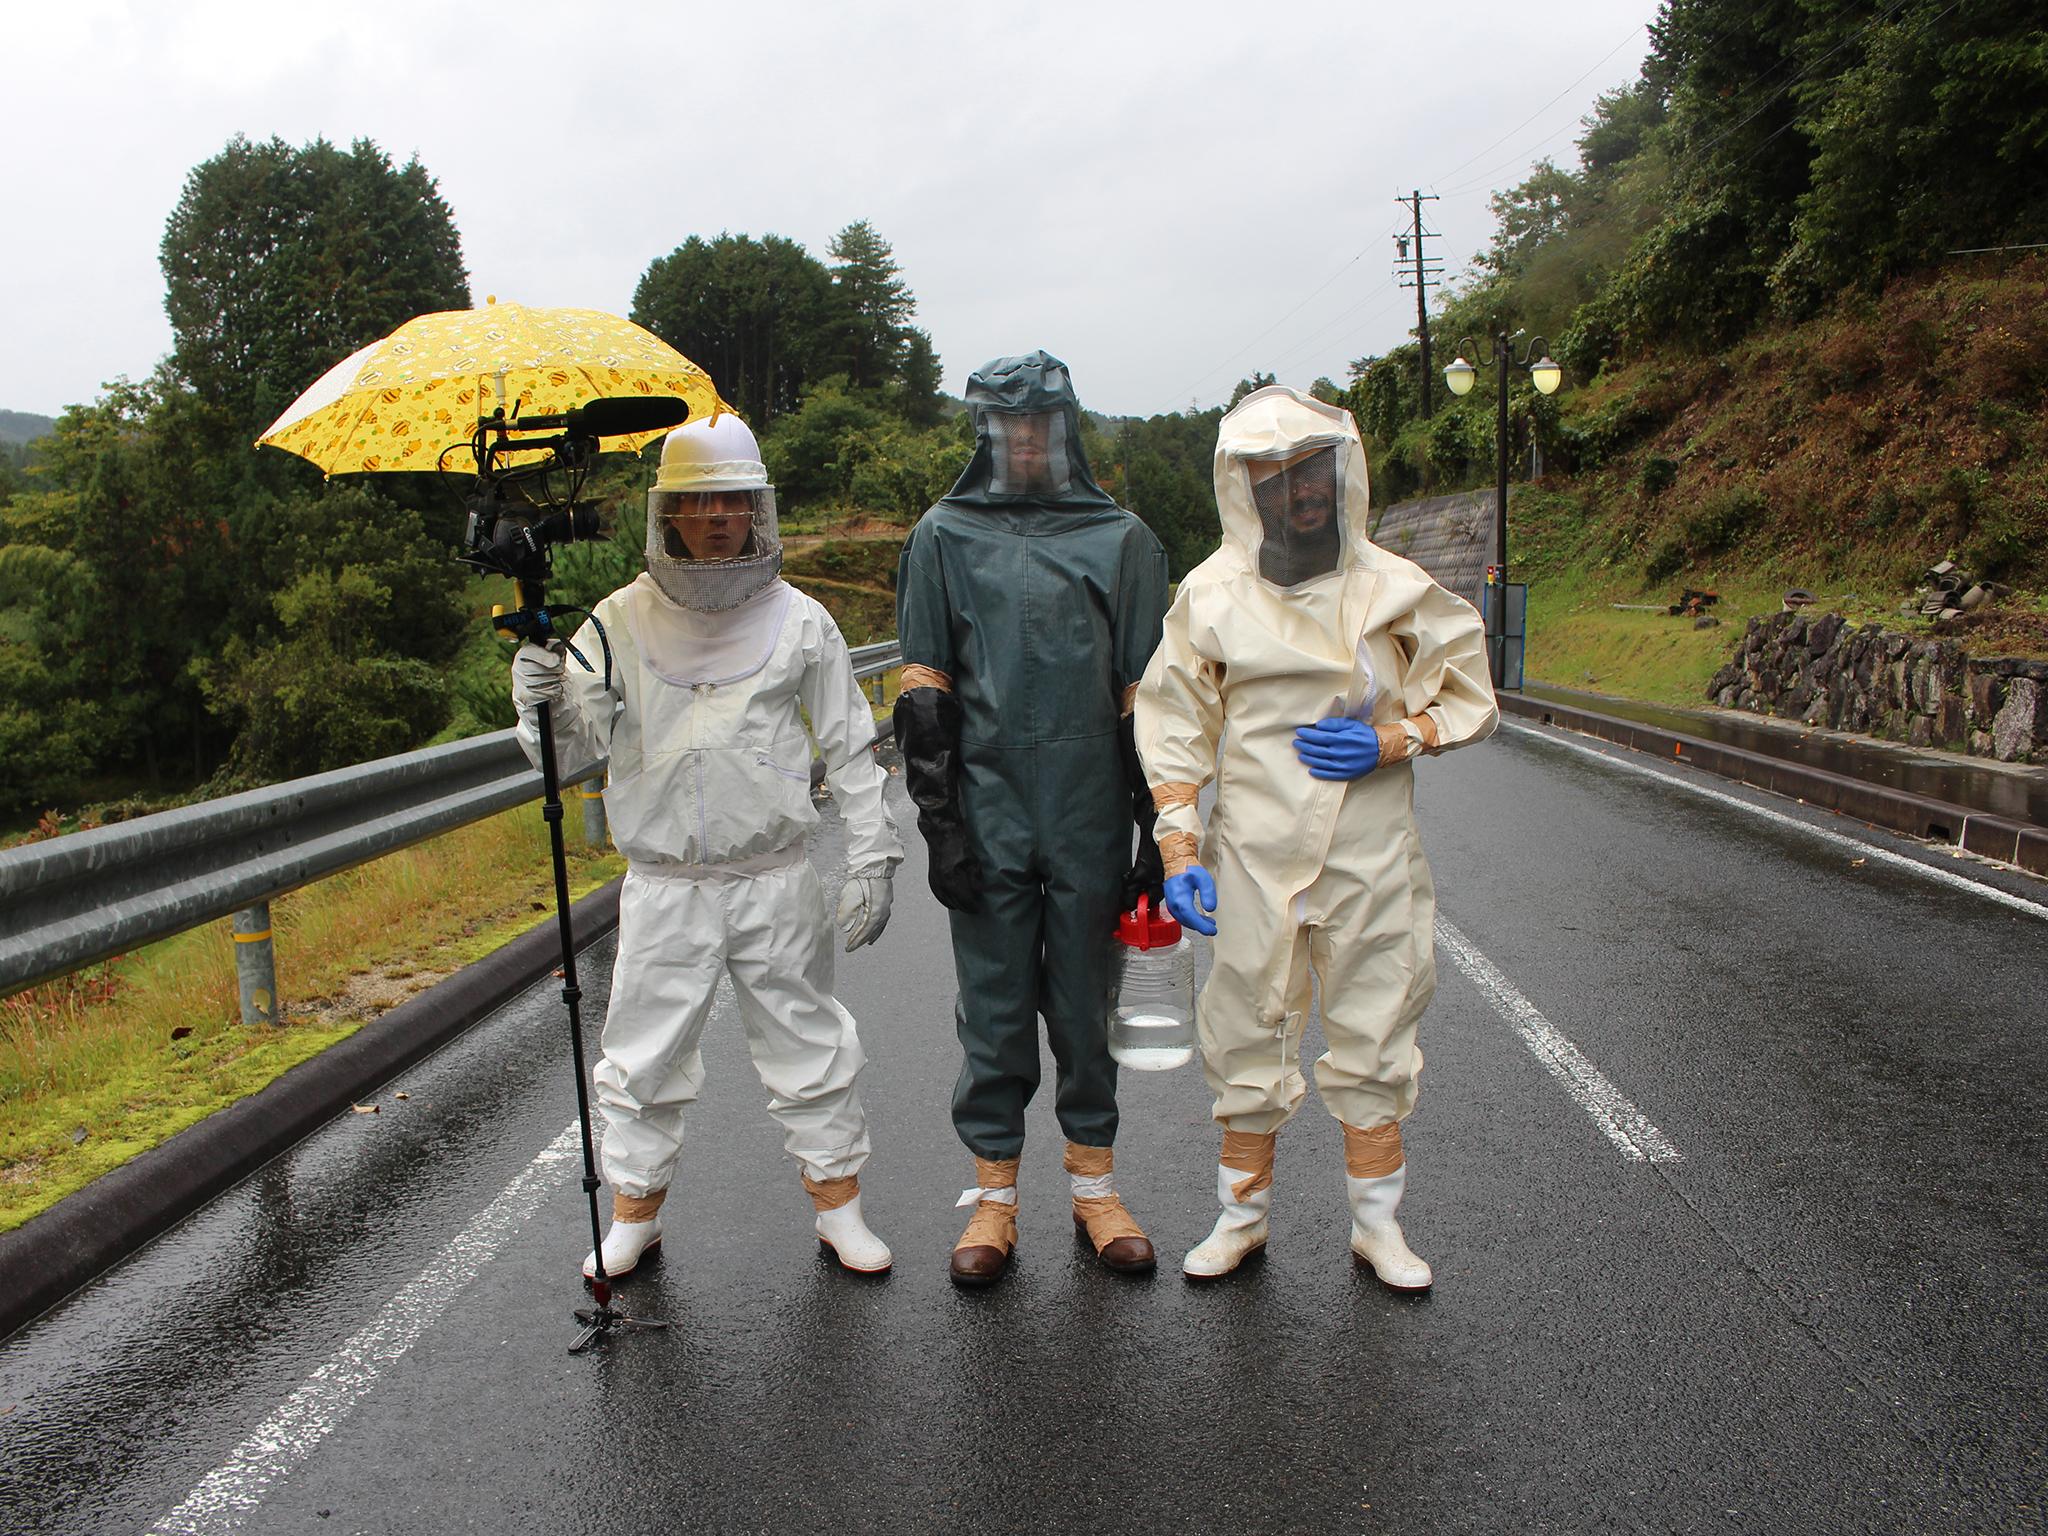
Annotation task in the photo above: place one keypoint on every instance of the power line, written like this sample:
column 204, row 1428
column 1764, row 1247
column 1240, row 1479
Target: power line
column 1560, row 96
column 1694, row 156
column 1318, row 290
column 1239, row 354
column 1484, row 181
column 1322, row 339
column 1792, row 122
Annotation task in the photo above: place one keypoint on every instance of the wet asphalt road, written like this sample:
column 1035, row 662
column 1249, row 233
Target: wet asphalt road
column 1820, row 1313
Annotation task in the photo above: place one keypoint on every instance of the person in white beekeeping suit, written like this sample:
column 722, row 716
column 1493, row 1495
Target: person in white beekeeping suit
column 1321, row 665
column 714, row 663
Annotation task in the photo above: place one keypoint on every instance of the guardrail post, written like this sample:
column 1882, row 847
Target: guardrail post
column 256, row 964
column 592, row 795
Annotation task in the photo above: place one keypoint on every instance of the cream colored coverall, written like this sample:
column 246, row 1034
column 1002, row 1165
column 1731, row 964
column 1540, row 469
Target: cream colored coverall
column 1311, row 875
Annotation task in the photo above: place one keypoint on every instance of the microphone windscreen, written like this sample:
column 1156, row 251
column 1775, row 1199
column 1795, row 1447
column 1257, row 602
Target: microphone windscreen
column 621, row 415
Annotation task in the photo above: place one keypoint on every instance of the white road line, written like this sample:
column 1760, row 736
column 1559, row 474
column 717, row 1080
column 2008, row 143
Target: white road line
column 1626, row 1126
column 230, row 1493
column 1619, row 758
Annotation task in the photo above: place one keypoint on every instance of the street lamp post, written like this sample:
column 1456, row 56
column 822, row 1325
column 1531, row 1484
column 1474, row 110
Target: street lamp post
column 1459, row 377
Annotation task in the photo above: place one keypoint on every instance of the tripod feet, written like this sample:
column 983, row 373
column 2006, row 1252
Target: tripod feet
column 600, row 1320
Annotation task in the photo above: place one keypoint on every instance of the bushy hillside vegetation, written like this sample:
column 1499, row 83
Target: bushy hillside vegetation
column 1779, row 370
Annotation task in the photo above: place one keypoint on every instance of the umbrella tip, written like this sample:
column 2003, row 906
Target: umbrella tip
column 490, row 298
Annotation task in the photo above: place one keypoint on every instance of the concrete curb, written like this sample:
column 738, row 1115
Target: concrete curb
column 54, row 1253
column 1937, row 820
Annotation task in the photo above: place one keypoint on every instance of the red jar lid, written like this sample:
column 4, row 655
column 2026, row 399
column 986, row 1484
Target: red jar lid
column 1146, row 929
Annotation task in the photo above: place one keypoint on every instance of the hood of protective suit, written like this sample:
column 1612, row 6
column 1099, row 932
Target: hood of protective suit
column 1027, row 440
column 1291, row 489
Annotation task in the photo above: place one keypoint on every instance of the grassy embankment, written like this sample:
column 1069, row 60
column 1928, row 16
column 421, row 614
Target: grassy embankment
column 111, row 1061
column 1844, row 456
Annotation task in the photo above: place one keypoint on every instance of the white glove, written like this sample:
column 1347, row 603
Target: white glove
column 864, row 907
column 536, row 674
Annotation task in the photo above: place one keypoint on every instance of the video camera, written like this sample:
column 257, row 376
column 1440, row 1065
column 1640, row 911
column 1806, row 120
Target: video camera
column 519, row 511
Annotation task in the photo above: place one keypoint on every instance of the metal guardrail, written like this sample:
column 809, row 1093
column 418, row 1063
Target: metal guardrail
column 72, row 900
column 871, row 661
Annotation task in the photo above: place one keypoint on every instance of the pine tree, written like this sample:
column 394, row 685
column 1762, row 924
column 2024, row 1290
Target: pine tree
column 875, row 306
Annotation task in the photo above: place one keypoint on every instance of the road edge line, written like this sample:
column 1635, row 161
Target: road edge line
column 1634, row 1135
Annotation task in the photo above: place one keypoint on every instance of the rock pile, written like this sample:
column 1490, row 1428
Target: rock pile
column 1822, row 670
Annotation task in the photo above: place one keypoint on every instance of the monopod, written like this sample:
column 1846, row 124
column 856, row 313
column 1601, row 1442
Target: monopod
column 505, row 536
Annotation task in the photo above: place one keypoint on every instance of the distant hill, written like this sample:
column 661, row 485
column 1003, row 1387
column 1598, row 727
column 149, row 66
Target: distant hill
column 23, row 426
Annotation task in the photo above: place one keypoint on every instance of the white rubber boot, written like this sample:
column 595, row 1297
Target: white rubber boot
column 624, row 1246
column 1239, row 1232
column 842, row 1230
column 1376, row 1237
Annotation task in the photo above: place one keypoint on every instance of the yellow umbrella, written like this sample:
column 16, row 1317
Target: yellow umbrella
column 412, row 401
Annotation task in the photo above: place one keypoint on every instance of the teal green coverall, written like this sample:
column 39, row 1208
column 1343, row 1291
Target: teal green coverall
column 1041, row 600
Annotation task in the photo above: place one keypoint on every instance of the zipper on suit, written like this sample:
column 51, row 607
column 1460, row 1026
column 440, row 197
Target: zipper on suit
column 697, row 692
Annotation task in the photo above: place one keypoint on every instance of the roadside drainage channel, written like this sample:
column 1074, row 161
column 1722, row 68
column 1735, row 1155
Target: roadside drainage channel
column 1994, row 837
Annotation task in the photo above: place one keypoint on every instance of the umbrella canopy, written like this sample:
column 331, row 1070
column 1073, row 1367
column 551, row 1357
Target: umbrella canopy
column 412, row 400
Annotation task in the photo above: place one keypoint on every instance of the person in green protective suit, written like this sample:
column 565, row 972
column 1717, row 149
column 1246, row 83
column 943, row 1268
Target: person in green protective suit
column 1028, row 603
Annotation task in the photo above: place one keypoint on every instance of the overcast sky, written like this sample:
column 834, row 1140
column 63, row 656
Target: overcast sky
column 1166, row 195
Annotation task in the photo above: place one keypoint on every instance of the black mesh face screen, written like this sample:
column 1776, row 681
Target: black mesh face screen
column 1300, row 505
column 1029, row 451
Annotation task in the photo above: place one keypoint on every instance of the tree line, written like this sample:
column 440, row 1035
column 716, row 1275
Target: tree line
column 180, row 611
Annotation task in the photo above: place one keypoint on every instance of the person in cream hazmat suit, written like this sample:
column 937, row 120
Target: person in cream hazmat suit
column 1322, row 666
column 714, row 664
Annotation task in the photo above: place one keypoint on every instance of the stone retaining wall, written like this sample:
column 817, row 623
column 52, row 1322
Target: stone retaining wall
column 1823, row 670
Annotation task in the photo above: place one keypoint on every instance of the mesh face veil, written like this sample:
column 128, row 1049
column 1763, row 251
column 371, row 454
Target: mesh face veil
column 1300, row 501
column 1029, row 450
column 1028, row 456
column 713, row 549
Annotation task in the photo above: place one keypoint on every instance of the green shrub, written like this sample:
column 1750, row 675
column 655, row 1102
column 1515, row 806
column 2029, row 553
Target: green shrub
column 1723, row 518
column 2009, row 537
column 1592, row 439
column 1666, row 560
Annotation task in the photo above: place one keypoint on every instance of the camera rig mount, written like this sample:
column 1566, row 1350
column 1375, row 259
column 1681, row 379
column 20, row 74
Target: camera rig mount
column 520, row 506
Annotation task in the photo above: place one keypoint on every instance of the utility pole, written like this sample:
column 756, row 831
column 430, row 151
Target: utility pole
column 1428, row 273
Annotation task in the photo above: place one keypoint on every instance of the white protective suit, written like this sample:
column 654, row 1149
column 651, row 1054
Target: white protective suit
column 708, row 797
column 1310, row 874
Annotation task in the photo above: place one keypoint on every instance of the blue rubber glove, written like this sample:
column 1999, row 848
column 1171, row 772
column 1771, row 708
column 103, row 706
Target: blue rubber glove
column 1338, row 748
column 1184, row 890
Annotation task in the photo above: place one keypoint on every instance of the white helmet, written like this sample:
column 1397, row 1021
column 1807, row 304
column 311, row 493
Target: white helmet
column 712, row 541
column 715, row 455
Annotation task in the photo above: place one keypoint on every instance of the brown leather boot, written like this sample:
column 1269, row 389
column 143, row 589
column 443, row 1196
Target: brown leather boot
column 1099, row 1214
column 984, row 1249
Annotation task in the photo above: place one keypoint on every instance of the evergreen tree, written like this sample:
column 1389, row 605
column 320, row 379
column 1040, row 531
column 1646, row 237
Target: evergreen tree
column 917, row 394
column 279, row 262
column 1246, row 386
column 760, row 316
column 875, row 306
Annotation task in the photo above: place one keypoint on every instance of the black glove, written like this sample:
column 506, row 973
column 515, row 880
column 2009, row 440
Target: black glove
column 928, row 735
column 1147, row 875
